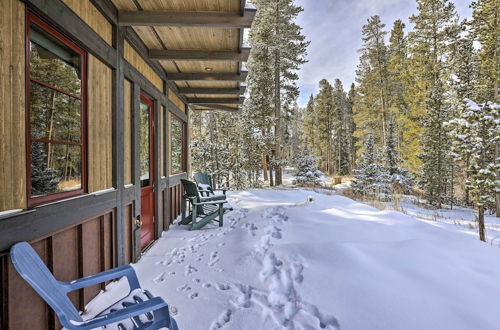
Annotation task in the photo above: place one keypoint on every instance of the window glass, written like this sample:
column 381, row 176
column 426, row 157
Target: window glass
column 54, row 63
column 55, row 113
column 145, row 143
column 176, row 145
column 55, row 168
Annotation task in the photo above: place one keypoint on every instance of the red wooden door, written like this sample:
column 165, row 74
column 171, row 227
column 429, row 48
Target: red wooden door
column 147, row 135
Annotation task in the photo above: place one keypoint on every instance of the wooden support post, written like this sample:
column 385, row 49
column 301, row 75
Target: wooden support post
column 118, row 144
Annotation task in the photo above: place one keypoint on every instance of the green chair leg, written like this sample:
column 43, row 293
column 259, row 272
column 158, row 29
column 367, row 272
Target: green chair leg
column 221, row 215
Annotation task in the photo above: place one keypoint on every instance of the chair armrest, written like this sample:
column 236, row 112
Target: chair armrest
column 212, row 198
column 211, row 202
column 108, row 275
column 122, row 314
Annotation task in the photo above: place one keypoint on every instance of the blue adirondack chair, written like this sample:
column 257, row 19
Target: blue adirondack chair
column 137, row 312
column 206, row 185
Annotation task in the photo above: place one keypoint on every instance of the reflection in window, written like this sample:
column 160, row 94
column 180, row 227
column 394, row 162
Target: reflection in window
column 55, row 115
column 177, row 145
column 145, row 143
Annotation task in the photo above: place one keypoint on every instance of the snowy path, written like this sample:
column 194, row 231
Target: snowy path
column 282, row 263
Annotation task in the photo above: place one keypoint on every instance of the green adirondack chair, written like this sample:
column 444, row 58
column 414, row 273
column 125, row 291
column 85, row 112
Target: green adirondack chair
column 206, row 185
column 202, row 210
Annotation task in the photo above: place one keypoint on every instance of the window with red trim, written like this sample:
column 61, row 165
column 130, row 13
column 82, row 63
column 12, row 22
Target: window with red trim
column 55, row 84
column 178, row 145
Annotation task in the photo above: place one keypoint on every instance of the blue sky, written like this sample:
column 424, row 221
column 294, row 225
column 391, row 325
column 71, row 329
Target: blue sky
column 334, row 29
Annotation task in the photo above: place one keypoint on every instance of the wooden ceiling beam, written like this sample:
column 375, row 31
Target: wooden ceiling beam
column 186, row 76
column 175, row 18
column 215, row 107
column 198, row 101
column 191, row 90
column 199, row 55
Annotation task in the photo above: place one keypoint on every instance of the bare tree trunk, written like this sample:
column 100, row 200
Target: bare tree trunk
column 480, row 220
column 270, row 167
column 264, row 167
column 497, row 195
column 277, row 102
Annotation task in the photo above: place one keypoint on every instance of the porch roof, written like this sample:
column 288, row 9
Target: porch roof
column 199, row 43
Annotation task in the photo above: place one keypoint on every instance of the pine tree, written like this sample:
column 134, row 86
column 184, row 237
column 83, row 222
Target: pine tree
column 369, row 176
column 307, row 173
column 398, row 81
column 435, row 29
column 372, row 101
column 486, row 28
column 398, row 178
column 476, row 136
column 351, row 128
column 309, row 126
column 435, row 154
column 279, row 49
column 325, row 126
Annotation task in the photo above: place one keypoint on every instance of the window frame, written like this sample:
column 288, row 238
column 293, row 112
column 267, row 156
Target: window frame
column 34, row 201
column 183, row 145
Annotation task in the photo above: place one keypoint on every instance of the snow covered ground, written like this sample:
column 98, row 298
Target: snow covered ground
column 282, row 263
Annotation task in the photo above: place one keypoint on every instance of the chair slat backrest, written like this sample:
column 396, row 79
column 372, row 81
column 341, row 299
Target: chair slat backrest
column 31, row 268
column 203, row 178
column 191, row 191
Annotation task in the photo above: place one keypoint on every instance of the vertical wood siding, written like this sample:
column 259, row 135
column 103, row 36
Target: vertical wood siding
column 99, row 110
column 127, row 132
column 136, row 60
column 175, row 201
column 12, row 106
column 83, row 249
column 177, row 101
column 90, row 15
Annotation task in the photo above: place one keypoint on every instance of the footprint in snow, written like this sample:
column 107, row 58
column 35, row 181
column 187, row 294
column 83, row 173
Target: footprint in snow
column 189, row 270
column 206, row 285
column 214, row 258
column 222, row 244
column 222, row 320
column 193, row 295
column 184, row 288
column 222, row 286
column 160, row 278
column 196, row 280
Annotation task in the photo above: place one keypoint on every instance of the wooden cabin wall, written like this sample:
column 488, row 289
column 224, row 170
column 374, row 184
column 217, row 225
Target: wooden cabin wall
column 73, row 252
column 177, row 101
column 100, row 129
column 90, row 15
column 127, row 132
column 12, row 106
column 136, row 60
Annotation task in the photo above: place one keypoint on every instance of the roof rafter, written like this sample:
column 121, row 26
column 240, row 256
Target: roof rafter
column 216, row 107
column 200, row 55
column 205, row 100
column 193, row 90
column 186, row 76
column 175, row 18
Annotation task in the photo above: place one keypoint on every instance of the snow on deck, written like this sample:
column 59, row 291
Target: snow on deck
column 282, row 263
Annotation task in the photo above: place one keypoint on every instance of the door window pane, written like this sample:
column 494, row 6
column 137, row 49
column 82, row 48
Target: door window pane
column 55, row 168
column 54, row 115
column 145, row 143
column 176, row 145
